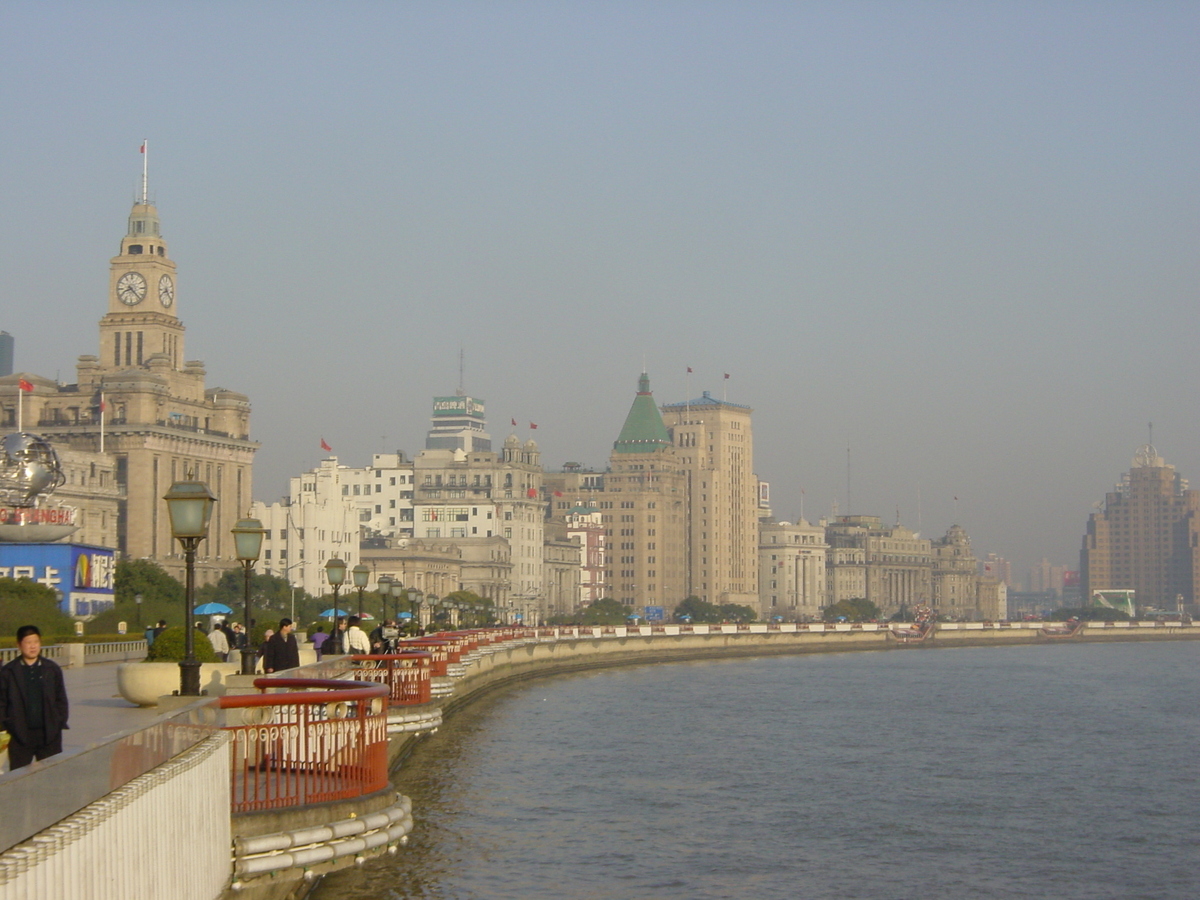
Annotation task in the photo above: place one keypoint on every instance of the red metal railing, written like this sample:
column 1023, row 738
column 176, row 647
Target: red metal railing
column 295, row 748
column 407, row 675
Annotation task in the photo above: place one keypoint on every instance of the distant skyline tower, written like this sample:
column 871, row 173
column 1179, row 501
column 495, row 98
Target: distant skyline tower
column 7, row 352
column 1146, row 537
column 458, row 423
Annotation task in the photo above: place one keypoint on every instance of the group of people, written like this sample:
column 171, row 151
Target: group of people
column 348, row 637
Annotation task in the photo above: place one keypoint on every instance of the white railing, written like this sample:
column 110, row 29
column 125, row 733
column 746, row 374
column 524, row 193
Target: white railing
column 164, row 834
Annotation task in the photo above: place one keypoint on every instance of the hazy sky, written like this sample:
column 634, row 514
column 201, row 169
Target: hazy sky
column 959, row 238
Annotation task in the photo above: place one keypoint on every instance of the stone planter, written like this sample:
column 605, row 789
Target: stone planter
column 144, row 682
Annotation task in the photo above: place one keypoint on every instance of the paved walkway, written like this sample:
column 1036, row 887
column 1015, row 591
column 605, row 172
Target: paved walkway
column 97, row 707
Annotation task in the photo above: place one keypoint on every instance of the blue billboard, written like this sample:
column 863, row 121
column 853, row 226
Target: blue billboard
column 81, row 574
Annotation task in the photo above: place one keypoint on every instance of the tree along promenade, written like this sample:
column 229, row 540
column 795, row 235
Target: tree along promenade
column 256, row 793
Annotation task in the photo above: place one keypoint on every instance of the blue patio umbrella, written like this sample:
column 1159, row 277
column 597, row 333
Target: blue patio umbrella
column 213, row 609
column 331, row 612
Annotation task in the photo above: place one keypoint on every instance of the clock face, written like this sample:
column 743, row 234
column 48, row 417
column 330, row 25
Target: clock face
column 166, row 290
column 131, row 288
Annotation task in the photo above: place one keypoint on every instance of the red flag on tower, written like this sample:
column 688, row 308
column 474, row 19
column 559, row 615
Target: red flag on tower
column 142, row 149
column 325, row 446
column 689, row 370
column 24, row 385
column 533, row 424
column 514, row 421
column 726, row 376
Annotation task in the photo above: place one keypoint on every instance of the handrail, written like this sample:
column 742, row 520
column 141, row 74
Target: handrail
column 293, row 748
column 408, row 676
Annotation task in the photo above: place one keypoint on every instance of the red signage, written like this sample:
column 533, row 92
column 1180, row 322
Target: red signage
column 28, row 515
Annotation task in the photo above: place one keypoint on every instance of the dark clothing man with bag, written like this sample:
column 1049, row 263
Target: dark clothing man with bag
column 33, row 702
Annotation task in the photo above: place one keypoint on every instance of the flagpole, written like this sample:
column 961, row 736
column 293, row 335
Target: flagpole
column 102, row 421
column 145, row 161
column 20, row 408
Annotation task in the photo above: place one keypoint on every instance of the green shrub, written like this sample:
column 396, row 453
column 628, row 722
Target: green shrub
column 169, row 647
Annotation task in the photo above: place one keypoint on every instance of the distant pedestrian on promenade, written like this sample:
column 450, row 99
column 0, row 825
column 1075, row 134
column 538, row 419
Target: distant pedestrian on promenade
column 159, row 629
column 281, row 650
column 33, row 702
column 337, row 639
column 319, row 639
column 220, row 643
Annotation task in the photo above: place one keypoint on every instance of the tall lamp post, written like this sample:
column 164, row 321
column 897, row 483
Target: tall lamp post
column 247, row 542
column 361, row 575
column 397, row 592
column 189, row 505
column 335, row 574
column 137, row 598
column 415, row 597
column 384, row 587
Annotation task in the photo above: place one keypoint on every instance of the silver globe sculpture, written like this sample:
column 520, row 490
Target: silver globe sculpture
column 29, row 473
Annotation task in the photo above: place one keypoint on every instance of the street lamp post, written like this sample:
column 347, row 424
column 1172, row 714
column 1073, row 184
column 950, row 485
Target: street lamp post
column 335, row 574
column 189, row 505
column 361, row 575
column 247, row 540
column 384, row 586
column 415, row 597
column 397, row 592
column 137, row 598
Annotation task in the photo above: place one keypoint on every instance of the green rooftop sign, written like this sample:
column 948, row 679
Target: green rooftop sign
column 457, row 407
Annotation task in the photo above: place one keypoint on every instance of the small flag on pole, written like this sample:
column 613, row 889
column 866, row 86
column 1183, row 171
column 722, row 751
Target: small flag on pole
column 24, row 385
column 142, row 149
column 689, row 370
column 325, row 446
column 532, row 492
column 726, row 376
column 533, row 425
column 514, row 421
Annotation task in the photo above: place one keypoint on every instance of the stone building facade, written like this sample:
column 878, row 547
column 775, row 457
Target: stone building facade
column 643, row 509
column 715, row 447
column 792, row 576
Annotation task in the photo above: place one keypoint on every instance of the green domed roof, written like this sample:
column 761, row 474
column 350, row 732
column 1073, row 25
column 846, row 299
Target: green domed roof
column 644, row 430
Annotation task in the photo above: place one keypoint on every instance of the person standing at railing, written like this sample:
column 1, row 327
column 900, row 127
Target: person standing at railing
column 318, row 640
column 220, row 643
column 356, row 641
column 281, row 651
column 33, row 702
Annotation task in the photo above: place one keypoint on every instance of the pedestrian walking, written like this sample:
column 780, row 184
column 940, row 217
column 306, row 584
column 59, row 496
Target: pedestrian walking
column 33, row 702
column 281, row 651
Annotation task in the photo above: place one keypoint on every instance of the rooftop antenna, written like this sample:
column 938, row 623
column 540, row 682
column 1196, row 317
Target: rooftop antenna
column 461, row 392
column 849, row 504
column 1150, row 427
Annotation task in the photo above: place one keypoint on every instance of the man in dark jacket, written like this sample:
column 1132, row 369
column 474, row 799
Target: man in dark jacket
column 281, row 650
column 33, row 702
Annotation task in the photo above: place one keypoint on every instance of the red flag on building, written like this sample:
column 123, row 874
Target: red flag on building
column 24, row 385
column 558, row 493
column 325, row 446
column 142, row 149
column 533, row 424
column 514, row 421
column 726, row 376
column 689, row 370
column 532, row 492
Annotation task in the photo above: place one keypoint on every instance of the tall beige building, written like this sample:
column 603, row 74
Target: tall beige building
column 715, row 445
column 896, row 562
column 643, row 510
column 1146, row 538
column 142, row 403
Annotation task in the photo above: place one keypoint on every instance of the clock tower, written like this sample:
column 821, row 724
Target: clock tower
column 141, row 322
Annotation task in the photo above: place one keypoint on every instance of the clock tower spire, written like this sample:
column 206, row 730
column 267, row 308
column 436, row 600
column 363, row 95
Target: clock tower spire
column 141, row 322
